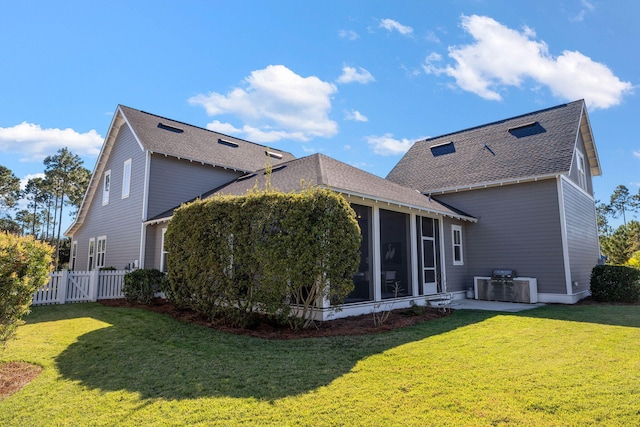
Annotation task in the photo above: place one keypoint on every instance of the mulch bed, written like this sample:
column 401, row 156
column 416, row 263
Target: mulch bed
column 355, row 325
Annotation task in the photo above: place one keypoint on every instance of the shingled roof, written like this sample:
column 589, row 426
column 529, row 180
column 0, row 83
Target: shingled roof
column 161, row 135
column 530, row 146
column 321, row 170
column 172, row 138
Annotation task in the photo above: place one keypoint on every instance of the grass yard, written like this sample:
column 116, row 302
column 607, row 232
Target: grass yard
column 556, row 365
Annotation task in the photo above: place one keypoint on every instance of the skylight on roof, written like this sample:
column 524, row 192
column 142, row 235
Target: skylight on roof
column 442, row 149
column 169, row 128
column 227, row 143
column 526, row 129
column 273, row 154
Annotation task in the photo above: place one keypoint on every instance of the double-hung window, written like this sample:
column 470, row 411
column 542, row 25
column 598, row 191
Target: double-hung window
column 106, row 187
column 582, row 175
column 126, row 178
column 92, row 253
column 456, row 241
column 101, row 250
column 74, row 255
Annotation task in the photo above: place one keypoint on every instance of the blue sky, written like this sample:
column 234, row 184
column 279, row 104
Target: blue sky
column 357, row 80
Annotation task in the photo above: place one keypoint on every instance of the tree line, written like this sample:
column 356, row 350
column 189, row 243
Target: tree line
column 44, row 200
column 621, row 245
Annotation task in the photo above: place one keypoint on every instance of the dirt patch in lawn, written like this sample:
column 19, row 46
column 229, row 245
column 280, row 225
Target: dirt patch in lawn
column 355, row 325
column 15, row 375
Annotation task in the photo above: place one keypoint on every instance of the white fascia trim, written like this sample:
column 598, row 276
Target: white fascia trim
column 215, row 165
column 420, row 209
column 563, row 235
column 566, row 179
column 94, row 182
column 493, row 184
column 589, row 143
column 157, row 221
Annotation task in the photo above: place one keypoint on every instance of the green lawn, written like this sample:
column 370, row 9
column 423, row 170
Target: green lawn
column 557, row 365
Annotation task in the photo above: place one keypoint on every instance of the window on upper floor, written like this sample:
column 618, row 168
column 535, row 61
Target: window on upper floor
column 106, row 186
column 126, row 179
column 582, row 175
column 456, row 242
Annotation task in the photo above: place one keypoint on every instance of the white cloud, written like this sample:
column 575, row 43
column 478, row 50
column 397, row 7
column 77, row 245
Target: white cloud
column 25, row 180
column 35, row 143
column 355, row 116
column 503, row 57
column 637, row 154
column 351, row 75
column 586, row 7
column 387, row 145
column 275, row 104
column 391, row 25
column 348, row 34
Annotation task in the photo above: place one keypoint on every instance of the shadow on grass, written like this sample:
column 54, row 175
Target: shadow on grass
column 599, row 313
column 159, row 357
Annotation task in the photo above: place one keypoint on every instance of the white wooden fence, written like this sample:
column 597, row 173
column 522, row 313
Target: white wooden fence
column 80, row 286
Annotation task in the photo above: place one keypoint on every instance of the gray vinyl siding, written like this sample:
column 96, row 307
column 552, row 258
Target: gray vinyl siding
column 582, row 235
column 174, row 181
column 456, row 275
column 121, row 219
column 573, row 173
column 154, row 245
column 518, row 228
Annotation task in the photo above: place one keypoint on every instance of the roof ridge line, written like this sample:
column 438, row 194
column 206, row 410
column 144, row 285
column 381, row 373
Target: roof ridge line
column 499, row 121
column 204, row 129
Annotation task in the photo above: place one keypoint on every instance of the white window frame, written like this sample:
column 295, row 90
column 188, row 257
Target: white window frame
column 101, row 250
column 582, row 175
column 163, row 253
column 74, row 255
column 457, row 243
column 106, row 187
column 126, row 178
column 91, row 254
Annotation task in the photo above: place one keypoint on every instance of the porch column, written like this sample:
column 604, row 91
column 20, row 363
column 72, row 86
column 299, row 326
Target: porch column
column 375, row 256
column 415, row 276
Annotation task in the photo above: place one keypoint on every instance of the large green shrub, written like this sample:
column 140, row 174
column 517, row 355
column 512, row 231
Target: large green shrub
column 613, row 283
column 24, row 267
column 140, row 286
column 263, row 253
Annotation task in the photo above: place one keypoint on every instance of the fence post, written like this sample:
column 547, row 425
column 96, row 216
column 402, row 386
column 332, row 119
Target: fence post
column 62, row 286
column 94, row 281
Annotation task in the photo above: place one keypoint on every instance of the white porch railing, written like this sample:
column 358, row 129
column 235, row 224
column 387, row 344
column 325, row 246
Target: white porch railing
column 80, row 286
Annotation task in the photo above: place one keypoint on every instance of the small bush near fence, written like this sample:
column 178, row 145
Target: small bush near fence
column 236, row 257
column 614, row 283
column 140, row 286
column 24, row 267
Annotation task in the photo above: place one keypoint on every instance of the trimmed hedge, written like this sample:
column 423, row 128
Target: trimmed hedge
column 614, row 283
column 263, row 253
column 25, row 264
column 140, row 286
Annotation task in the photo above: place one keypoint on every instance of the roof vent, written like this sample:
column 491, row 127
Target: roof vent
column 170, row 128
column 526, row 129
column 243, row 177
column 273, row 154
column 442, row 149
column 276, row 169
column 227, row 143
